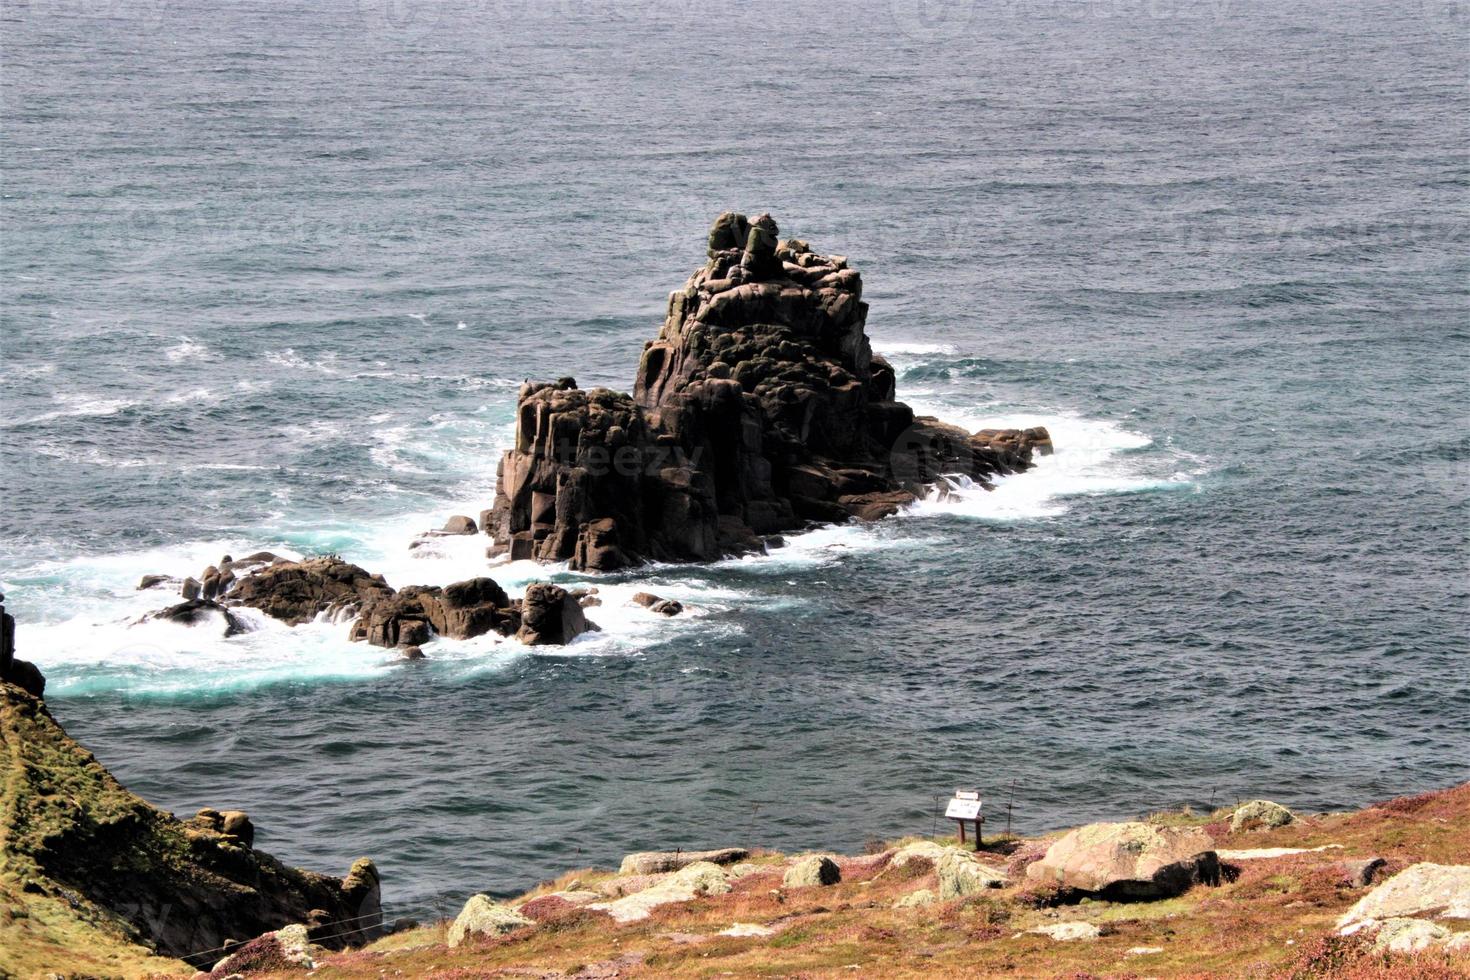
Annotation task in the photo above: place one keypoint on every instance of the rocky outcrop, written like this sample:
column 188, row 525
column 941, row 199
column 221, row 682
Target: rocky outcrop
column 413, row 615
column 700, row 878
column 1128, row 860
column 551, row 615
column 298, row 591
column 85, row 857
column 1440, row 891
column 759, row 408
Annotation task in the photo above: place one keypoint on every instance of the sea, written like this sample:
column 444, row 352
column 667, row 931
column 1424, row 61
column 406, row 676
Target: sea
column 273, row 273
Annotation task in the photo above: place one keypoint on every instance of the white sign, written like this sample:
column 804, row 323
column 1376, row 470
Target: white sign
column 962, row 809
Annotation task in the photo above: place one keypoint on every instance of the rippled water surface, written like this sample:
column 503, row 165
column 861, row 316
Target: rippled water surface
column 272, row 274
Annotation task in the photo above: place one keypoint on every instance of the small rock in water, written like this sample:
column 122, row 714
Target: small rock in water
column 653, row 603
column 154, row 581
column 460, row 524
column 413, row 653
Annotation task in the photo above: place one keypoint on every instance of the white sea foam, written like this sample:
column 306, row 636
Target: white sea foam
column 1092, row 457
column 189, row 349
column 886, row 347
column 326, row 364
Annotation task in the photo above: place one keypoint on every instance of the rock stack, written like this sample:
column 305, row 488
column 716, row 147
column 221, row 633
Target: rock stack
column 759, row 408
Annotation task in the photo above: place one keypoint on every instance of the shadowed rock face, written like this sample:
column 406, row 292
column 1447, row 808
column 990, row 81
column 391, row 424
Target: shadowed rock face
column 91, row 859
column 759, row 408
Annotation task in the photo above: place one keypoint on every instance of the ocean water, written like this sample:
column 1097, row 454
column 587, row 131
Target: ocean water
column 272, row 274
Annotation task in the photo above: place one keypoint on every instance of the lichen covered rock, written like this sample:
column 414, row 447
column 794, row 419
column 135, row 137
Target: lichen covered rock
column 811, row 871
column 1128, row 860
column 483, row 916
column 1259, row 815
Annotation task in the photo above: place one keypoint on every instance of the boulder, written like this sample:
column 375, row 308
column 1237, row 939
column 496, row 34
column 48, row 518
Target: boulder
column 289, row 946
column 190, row 589
column 758, row 407
column 483, row 916
column 1128, row 861
column 961, row 876
column 198, row 612
column 155, row 581
column 298, row 591
column 653, row 603
column 1360, row 872
column 693, row 881
column 412, row 653
column 1259, row 815
column 549, row 615
column 237, row 824
column 660, row 862
column 1066, row 932
column 918, row 850
column 460, row 524
column 815, row 869
column 1420, row 890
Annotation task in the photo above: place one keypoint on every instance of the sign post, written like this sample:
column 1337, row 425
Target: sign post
column 966, row 806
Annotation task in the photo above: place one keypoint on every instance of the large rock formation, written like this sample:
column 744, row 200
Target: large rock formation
column 759, row 408
column 88, row 869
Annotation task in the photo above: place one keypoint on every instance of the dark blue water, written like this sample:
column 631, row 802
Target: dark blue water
column 272, row 273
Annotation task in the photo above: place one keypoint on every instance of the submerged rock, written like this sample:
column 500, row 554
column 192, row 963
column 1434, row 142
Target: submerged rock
column 196, row 612
column 1128, row 860
column 759, row 408
column 653, row 603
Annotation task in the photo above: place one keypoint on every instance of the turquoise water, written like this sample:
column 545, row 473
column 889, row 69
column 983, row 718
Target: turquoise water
column 272, row 275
